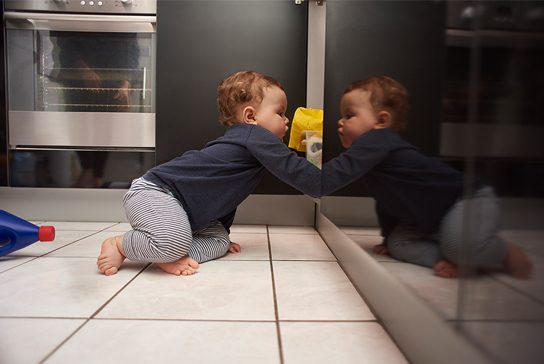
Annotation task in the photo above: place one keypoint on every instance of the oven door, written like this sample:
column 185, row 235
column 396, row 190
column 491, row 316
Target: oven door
column 81, row 99
column 492, row 108
column 81, row 81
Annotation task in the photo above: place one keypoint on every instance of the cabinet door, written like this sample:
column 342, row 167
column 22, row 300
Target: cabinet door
column 400, row 39
column 199, row 43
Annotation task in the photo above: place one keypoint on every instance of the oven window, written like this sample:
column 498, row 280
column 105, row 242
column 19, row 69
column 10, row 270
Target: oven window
column 80, row 71
column 510, row 86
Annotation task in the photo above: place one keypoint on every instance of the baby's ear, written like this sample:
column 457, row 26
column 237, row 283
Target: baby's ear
column 249, row 115
column 383, row 120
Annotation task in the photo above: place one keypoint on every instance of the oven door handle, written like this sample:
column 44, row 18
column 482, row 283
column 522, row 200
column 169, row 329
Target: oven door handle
column 81, row 22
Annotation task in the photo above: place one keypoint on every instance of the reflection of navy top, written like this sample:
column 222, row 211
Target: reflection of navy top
column 410, row 188
column 210, row 183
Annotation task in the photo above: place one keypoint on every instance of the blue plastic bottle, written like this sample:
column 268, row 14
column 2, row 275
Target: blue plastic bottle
column 16, row 233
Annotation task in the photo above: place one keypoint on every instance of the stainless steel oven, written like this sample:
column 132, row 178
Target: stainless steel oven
column 493, row 94
column 81, row 91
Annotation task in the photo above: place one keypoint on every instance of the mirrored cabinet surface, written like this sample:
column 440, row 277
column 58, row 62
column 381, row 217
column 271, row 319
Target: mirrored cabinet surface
column 474, row 76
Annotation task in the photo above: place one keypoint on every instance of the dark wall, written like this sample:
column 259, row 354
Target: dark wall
column 3, row 127
column 400, row 39
column 201, row 42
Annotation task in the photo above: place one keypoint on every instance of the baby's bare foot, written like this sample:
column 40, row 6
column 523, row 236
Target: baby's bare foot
column 184, row 266
column 446, row 269
column 111, row 258
column 517, row 263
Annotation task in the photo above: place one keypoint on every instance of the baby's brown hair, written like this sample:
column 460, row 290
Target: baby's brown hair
column 386, row 94
column 239, row 90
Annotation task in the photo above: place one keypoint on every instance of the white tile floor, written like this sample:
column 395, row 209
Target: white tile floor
column 503, row 315
column 284, row 299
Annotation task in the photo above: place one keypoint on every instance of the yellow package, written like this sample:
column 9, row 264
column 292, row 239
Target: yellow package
column 304, row 119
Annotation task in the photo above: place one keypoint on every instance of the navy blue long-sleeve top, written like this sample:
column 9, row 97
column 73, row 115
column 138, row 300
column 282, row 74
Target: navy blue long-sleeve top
column 210, row 183
column 410, row 188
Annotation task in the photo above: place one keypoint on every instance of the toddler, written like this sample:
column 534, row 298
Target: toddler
column 181, row 211
column 419, row 200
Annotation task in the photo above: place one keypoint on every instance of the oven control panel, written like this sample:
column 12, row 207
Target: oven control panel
column 85, row 6
column 497, row 15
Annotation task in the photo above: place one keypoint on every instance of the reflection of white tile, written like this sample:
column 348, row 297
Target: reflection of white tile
column 299, row 247
column 487, row 299
column 531, row 241
column 317, row 291
column 73, row 225
column 59, row 287
column 254, row 247
column 441, row 293
column 337, row 342
column 112, row 341
column 220, row 290
column 367, row 242
column 88, row 247
column 291, row 230
column 62, row 238
column 24, row 340
column 509, row 342
column 10, row 261
column 257, row 229
column 355, row 230
column 534, row 286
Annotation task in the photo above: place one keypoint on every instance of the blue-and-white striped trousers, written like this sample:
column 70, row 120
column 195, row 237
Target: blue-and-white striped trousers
column 475, row 245
column 161, row 231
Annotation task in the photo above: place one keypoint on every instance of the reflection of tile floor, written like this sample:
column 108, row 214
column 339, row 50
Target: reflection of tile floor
column 502, row 314
column 284, row 299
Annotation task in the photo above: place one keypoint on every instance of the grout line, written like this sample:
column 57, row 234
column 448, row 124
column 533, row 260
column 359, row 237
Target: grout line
column 516, row 289
column 280, row 346
column 64, row 341
column 120, row 290
column 93, row 315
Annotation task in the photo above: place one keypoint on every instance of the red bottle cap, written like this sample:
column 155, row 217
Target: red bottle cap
column 46, row 233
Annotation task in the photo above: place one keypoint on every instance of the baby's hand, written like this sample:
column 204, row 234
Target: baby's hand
column 380, row 250
column 235, row 248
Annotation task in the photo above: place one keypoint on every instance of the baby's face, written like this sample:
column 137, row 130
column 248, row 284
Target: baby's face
column 270, row 114
column 358, row 116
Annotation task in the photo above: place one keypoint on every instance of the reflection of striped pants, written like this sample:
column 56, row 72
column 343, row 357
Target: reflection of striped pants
column 161, row 231
column 475, row 245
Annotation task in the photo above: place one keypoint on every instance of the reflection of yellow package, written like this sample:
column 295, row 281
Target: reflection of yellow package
column 304, row 119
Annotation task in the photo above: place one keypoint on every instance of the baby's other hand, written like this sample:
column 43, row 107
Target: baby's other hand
column 380, row 250
column 235, row 248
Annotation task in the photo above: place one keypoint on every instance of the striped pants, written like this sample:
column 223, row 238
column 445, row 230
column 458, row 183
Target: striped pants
column 473, row 245
column 161, row 231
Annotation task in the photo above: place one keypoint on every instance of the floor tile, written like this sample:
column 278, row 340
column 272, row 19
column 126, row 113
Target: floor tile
column 59, row 287
column 148, row 341
column 509, row 342
column 317, row 291
column 220, row 290
column 74, row 225
column 120, row 227
column 291, row 230
column 254, row 247
column 10, row 261
column 338, row 342
column 62, row 238
column 88, row 247
column 257, row 229
column 29, row 341
column 299, row 247
column 488, row 298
